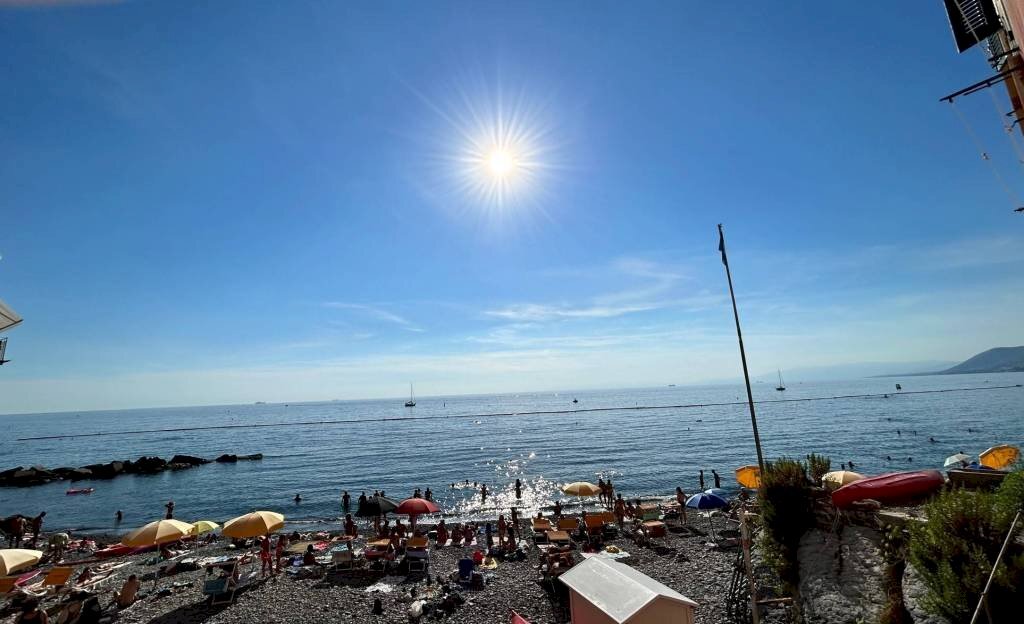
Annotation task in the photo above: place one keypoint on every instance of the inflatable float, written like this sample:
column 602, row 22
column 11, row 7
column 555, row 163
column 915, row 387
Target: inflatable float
column 891, row 488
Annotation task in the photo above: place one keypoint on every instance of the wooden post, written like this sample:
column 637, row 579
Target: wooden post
column 745, row 538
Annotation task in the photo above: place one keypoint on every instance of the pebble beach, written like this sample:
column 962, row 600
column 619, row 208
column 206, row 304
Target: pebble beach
column 684, row 560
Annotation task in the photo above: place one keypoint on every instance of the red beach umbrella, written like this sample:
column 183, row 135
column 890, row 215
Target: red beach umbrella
column 413, row 507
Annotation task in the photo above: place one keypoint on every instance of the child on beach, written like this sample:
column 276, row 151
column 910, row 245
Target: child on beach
column 681, row 499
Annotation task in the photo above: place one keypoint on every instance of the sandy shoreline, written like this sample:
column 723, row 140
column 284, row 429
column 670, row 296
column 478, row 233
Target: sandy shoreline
column 683, row 559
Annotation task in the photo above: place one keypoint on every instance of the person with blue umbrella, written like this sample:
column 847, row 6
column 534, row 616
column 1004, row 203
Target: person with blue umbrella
column 702, row 501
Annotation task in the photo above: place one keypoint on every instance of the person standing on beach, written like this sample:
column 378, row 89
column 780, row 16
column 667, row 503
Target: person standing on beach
column 170, row 510
column 681, row 499
column 701, row 480
column 17, row 531
column 429, row 495
column 502, row 530
column 265, row 560
column 350, row 527
column 37, row 526
column 601, row 490
column 558, row 509
column 345, row 500
column 282, row 543
column 718, row 480
column 611, row 492
column 515, row 523
column 483, row 493
column 620, row 510
column 519, row 489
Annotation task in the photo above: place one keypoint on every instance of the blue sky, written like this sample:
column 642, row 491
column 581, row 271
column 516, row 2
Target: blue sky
column 238, row 201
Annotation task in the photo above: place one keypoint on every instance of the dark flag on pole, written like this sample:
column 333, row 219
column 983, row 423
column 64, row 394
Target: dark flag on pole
column 743, row 353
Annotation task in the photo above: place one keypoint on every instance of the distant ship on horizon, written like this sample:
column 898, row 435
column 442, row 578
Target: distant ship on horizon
column 412, row 397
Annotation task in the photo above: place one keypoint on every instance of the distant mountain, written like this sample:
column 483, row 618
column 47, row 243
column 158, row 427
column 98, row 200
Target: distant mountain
column 857, row 370
column 998, row 360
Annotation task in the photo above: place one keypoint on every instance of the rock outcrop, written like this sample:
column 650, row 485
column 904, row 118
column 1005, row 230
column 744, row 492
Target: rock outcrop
column 38, row 475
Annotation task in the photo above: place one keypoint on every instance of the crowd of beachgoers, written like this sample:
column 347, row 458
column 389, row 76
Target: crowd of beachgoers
column 375, row 566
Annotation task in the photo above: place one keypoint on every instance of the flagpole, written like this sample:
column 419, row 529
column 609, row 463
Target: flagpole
column 743, row 353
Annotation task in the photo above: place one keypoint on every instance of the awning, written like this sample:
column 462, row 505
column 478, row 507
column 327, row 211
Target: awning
column 8, row 317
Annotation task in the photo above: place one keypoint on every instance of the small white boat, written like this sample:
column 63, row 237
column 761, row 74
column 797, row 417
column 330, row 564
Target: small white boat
column 412, row 398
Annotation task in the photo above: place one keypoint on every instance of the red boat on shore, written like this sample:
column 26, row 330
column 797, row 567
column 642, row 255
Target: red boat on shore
column 889, row 489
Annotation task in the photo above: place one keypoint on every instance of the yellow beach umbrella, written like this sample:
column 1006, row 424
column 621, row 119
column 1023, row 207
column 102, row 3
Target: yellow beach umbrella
column 254, row 524
column 838, row 478
column 14, row 559
column 159, row 532
column 748, row 476
column 581, row 488
column 1000, row 457
column 204, row 526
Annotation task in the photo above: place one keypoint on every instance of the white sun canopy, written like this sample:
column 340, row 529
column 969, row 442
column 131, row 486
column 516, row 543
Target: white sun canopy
column 8, row 317
column 608, row 592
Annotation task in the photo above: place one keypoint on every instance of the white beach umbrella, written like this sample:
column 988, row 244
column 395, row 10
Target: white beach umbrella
column 959, row 459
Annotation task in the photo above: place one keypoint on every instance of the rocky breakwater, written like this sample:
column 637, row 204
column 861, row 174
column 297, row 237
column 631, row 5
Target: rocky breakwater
column 38, row 475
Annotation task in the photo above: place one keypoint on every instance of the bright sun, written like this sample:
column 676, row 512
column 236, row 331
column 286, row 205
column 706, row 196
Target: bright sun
column 500, row 163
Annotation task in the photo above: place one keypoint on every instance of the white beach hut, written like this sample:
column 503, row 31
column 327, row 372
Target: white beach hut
column 602, row 591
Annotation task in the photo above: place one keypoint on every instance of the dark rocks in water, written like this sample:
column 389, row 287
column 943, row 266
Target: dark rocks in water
column 73, row 474
column 105, row 471
column 20, row 476
column 189, row 460
column 148, row 465
column 37, row 475
column 230, row 459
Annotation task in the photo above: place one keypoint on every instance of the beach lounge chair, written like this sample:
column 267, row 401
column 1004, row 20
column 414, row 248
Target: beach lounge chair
column 343, row 559
column 568, row 524
column 559, row 538
column 650, row 511
column 417, row 554
column 595, row 525
column 221, row 590
column 57, row 578
column 7, row 584
column 540, row 529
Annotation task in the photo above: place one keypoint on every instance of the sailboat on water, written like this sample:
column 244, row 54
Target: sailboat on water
column 412, row 398
column 781, row 387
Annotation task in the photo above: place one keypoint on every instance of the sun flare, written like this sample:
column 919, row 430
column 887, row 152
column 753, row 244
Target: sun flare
column 501, row 163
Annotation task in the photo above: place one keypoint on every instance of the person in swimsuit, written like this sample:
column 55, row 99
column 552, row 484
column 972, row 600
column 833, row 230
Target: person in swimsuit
column 128, row 594
column 266, row 563
column 282, row 543
column 681, row 499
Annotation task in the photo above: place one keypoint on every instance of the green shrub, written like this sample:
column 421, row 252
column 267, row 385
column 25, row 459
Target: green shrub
column 954, row 551
column 818, row 465
column 787, row 514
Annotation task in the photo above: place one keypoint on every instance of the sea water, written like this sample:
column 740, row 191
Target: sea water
column 451, row 440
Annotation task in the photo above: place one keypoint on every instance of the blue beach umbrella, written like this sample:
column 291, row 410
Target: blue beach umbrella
column 706, row 502
column 719, row 492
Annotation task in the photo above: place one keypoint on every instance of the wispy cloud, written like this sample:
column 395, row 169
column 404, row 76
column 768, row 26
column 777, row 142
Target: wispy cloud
column 376, row 313
column 648, row 284
column 536, row 312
